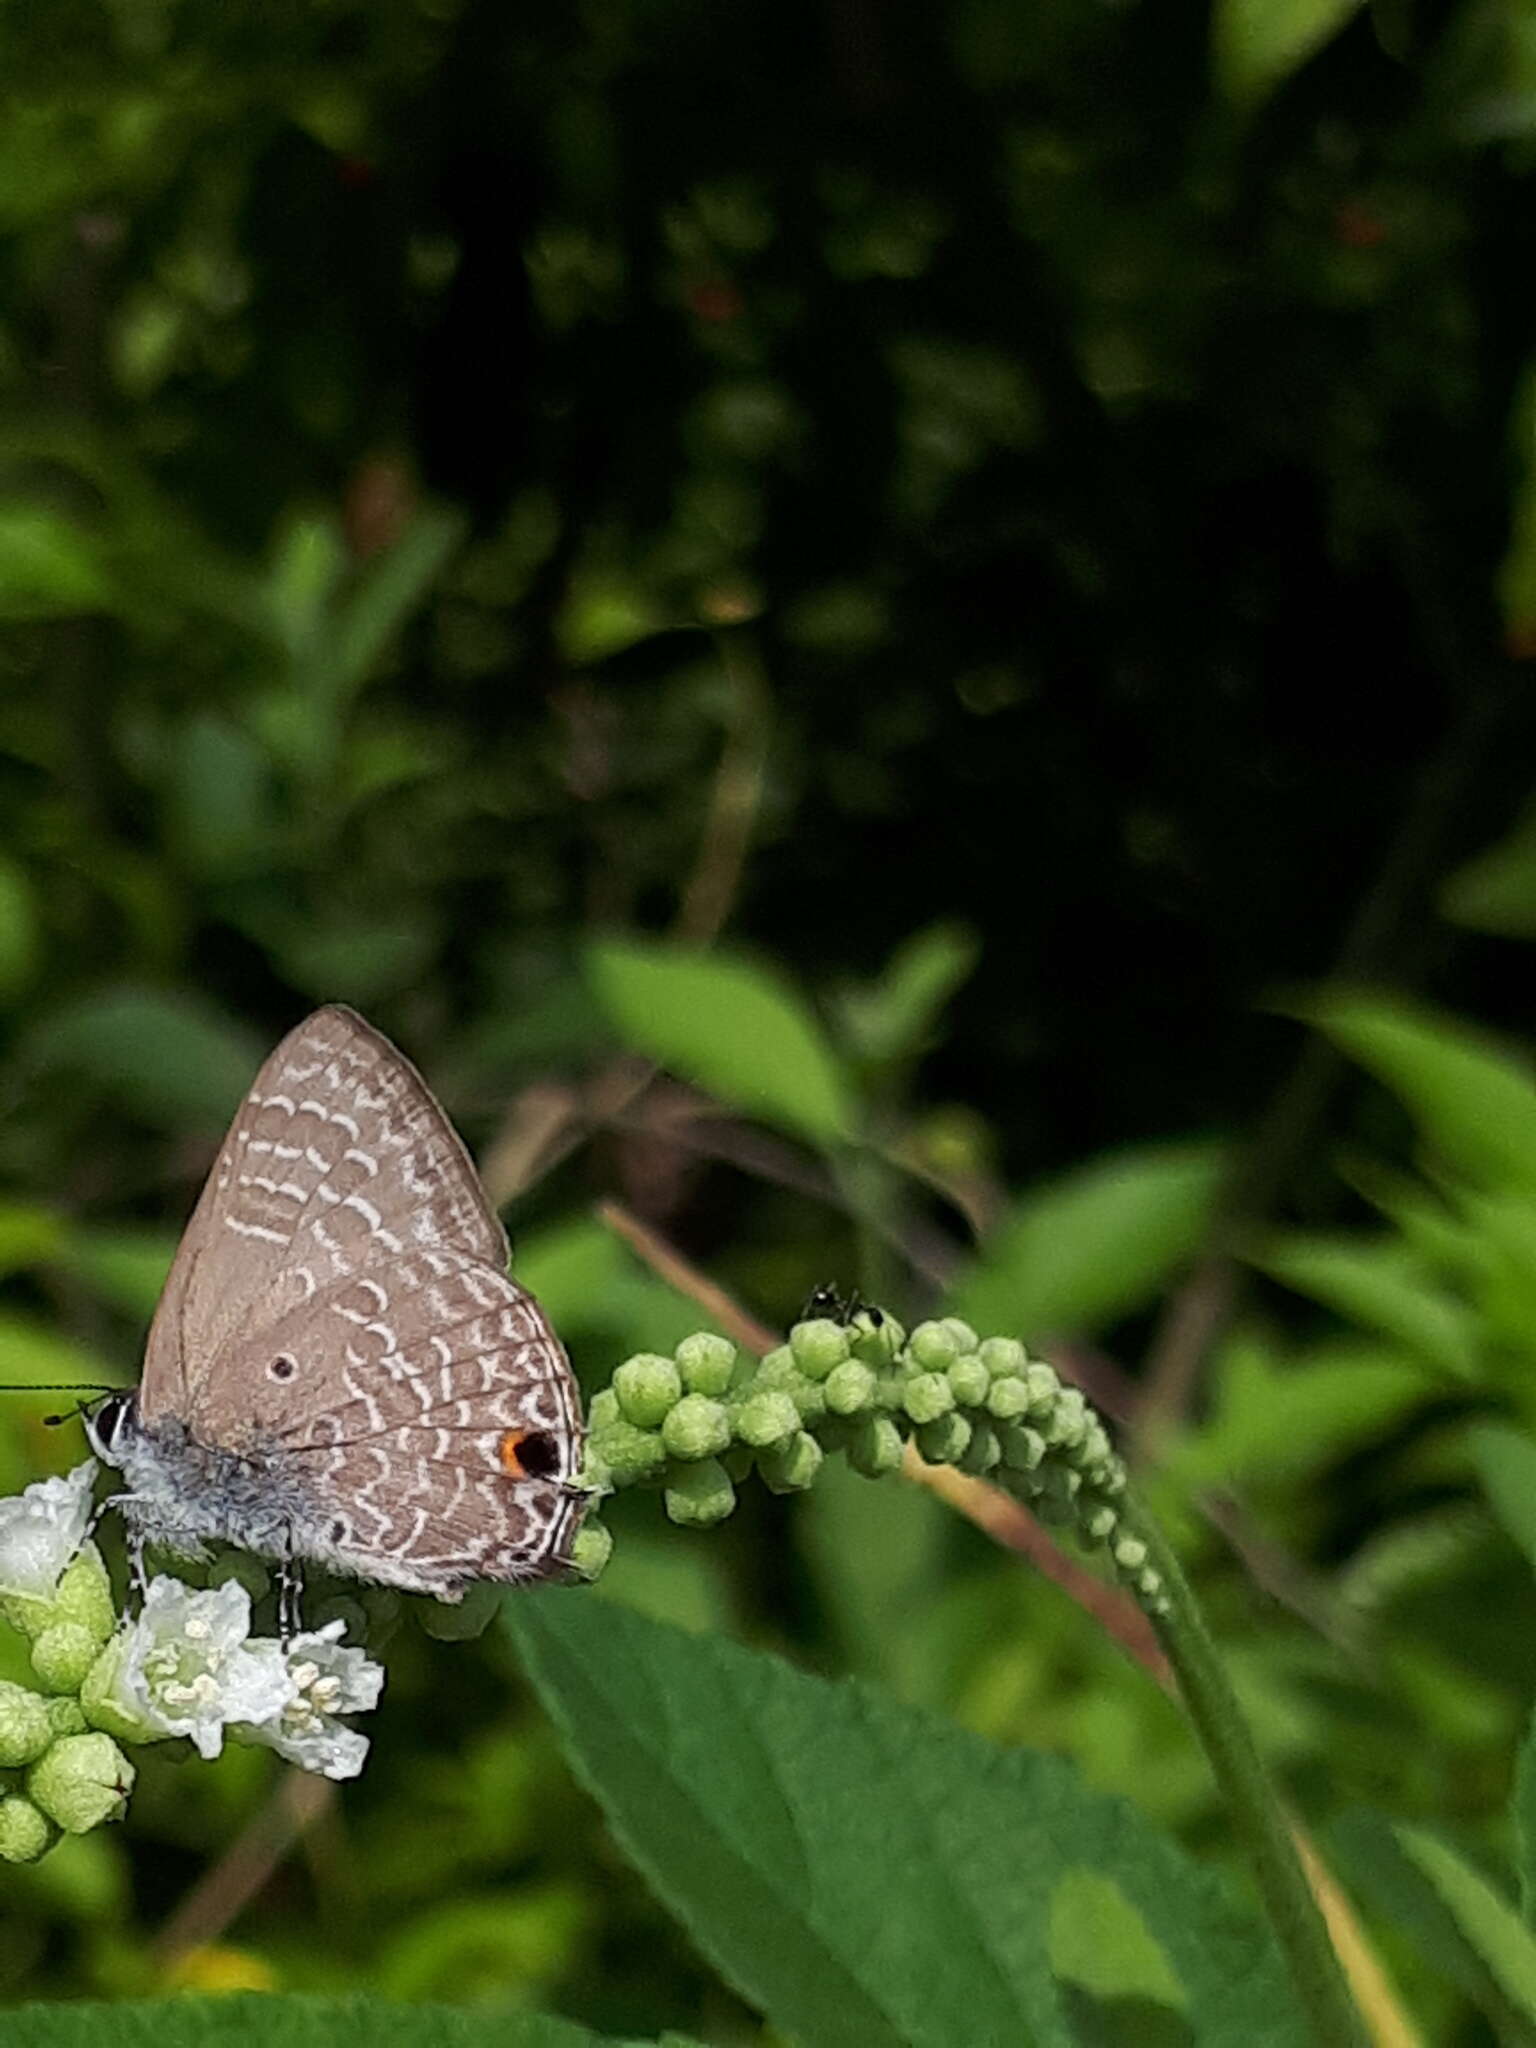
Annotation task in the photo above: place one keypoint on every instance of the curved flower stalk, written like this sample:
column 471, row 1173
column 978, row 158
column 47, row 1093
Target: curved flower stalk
column 186, row 1666
column 698, row 1423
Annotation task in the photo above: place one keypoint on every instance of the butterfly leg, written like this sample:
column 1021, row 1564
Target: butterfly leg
column 290, row 1595
column 133, row 1542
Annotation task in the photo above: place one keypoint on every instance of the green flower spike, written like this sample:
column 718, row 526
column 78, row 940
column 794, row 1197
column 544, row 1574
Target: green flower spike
column 25, row 1833
column 25, row 1727
column 647, row 1387
column 80, row 1782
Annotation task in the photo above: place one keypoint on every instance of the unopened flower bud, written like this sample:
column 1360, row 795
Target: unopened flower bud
column 697, row 1427
column 983, row 1452
column 62, row 1655
column 1008, row 1399
column 765, row 1419
column 25, row 1832
column 818, row 1346
column 944, row 1442
column 81, row 1781
column 875, row 1337
column 707, row 1363
column 875, row 1447
column 631, row 1454
column 927, row 1396
column 647, row 1387
column 699, row 1494
column 791, row 1467
column 84, row 1594
column 969, row 1380
column 591, row 1550
column 1023, row 1448
column 603, row 1410
column 1004, row 1357
column 1044, row 1386
column 64, row 1715
column 965, row 1338
column 850, row 1388
column 25, row 1729
column 933, row 1347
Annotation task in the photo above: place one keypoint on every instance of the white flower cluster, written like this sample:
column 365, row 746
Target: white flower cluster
column 188, row 1664
column 40, row 1531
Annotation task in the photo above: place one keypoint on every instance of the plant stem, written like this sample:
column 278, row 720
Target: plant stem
column 1224, row 1735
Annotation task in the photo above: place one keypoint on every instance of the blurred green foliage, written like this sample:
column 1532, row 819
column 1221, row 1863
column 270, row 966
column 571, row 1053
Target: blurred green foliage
column 825, row 611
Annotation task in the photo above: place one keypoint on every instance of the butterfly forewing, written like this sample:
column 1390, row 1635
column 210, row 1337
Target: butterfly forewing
column 339, row 1158
column 340, row 1317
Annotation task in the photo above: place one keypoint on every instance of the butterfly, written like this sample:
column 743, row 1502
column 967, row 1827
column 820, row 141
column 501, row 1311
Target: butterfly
column 341, row 1371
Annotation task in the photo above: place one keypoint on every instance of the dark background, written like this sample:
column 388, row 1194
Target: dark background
column 1055, row 470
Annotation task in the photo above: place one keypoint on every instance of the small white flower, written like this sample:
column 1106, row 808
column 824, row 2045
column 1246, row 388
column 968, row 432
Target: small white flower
column 40, row 1531
column 328, row 1678
column 187, row 1665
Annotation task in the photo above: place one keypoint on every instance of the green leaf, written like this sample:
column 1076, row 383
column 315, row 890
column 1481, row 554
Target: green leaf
column 1522, row 1815
column 391, row 588
column 1463, row 1925
column 1257, row 44
column 172, row 1060
column 1380, row 1284
column 1495, row 891
column 19, row 936
column 1094, row 1245
column 49, row 567
column 1274, row 1420
column 865, row 1871
column 728, row 1026
column 218, row 802
column 29, row 1236
column 1505, row 1460
column 252, row 2020
column 1474, row 1103
column 892, row 1018
column 1485, row 1918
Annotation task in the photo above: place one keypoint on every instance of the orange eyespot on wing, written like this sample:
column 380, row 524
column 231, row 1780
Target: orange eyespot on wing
column 528, row 1454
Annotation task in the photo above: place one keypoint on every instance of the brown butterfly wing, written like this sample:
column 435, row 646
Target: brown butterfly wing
column 433, row 1415
column 338, row 1159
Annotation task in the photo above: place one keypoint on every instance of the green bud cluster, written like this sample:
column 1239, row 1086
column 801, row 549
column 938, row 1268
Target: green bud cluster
column 699, row 1424
column 55, row 1773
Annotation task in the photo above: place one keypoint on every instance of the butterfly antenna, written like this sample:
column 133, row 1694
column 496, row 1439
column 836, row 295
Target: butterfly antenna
column 94, row 1388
